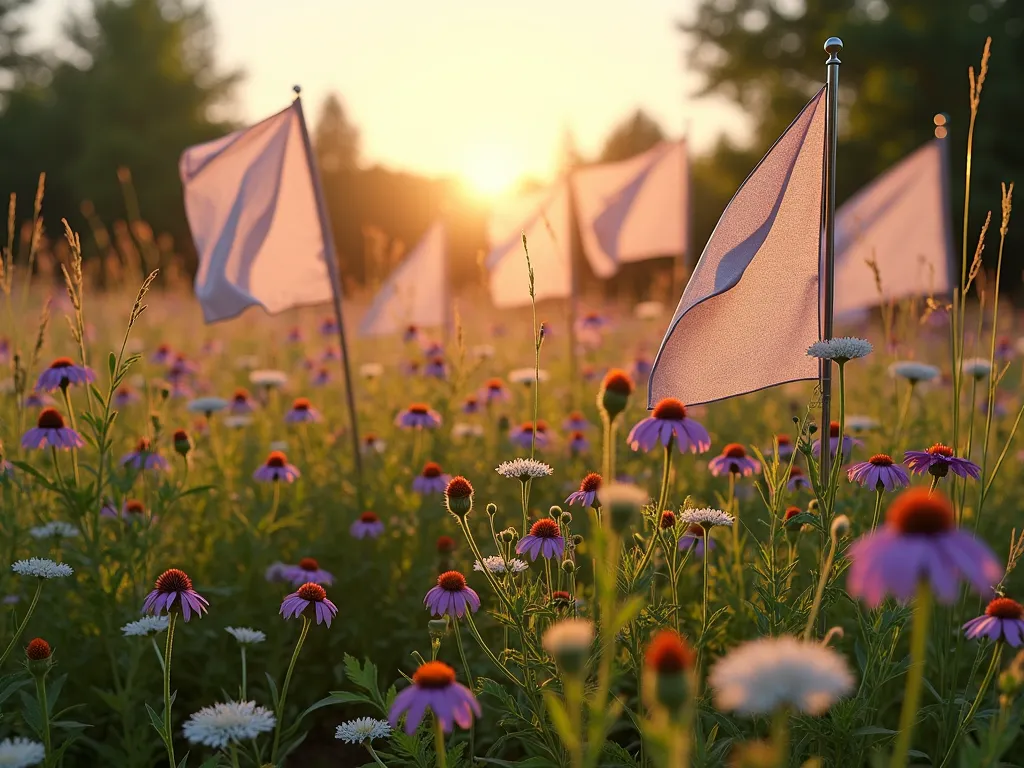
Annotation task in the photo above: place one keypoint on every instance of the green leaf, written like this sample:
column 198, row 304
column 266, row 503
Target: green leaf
column 531, row 762
column 873, row 730
column 560, row 719
column 10, row 684
column 273, row 690
column 156, row 721
column 111, row 364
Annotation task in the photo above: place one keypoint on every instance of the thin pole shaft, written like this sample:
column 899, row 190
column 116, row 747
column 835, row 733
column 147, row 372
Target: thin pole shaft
column 832, row 46
column 330, row 256
column 575, row 253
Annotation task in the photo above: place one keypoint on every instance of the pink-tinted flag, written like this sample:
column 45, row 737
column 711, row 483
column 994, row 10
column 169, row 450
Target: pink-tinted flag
column 751, row 308
column 252, row 209
column 901, row 221
column 544, row 218
column 634, row 209
column 416, row 293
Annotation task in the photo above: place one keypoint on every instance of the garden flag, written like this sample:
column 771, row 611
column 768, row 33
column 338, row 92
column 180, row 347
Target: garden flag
column 901, row 221
column 634, row 209
column 252, row 208
column 416, row 293
column 751, row 308
column 544, row 218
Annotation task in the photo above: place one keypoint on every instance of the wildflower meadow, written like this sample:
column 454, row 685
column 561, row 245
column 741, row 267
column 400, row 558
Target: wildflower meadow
column 520, row 565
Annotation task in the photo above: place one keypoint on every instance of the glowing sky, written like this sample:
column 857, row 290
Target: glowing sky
column 480, row 88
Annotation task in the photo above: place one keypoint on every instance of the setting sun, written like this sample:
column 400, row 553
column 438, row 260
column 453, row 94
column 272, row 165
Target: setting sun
column 489, row 170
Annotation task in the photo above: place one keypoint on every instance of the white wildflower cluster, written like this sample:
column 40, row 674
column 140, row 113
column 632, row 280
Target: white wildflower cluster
column 362, row 729
column 21, row 753
column 268, row 378
column 496, row 564
column 42, row 568
column 147, row 625
column 207, row 405
column 523, row 469
column 842, row 349
column 464, row 429
column 648, row 310
column 237, row 421
column 622, row 494
column 246, row 636
column 913, row 372
column 765, row 674
column 528, row 375
column 856, row 423
column 228, row 723
column 568, row 635
column 55, row 529
column 371, row 370
column 707, row 517
column 977, row 367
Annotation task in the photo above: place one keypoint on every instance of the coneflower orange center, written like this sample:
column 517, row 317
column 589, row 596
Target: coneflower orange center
column 591, row 482
column 143, row 445
column 134, row 507
column 670, row 409
column 471, row 400
column 459, row 488
column 576, row 416
column 451, row 581
column 561, row 596
column 369, row 517
column 173, row 580
column 668, row 653
column 618, row 381
column 833, row 429
column 1005, row 608
column 526, row 428
column 309, row 564
column 915, row 511
column 277, row 459
column 783, row 439
column 941, row 450
column 795, row 472
column 50, row 418
column 792, row 512
column 419, row 409
column 668, row 519
column 881, row 460
column 434, row 674
column 431, row 469
column 445, row 544
column 369, row 438
column 312, row 592
column 240, row 395
column 38, row 649
column 301, row 404
column 62, row 362
column 495, row 385
column 734, row 451
column 180, row 435
column 545, row 528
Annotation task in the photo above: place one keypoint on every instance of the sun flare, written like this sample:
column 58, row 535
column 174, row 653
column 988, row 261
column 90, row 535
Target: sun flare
column 489, row 170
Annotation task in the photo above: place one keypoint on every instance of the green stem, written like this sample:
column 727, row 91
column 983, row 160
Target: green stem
column 284, row 689
column 989, row 674
column 44, row 714
column 244, row 697
column 442, row 759
column 234, row 757
column 373, row 754
column 469, row 679
column 524, row 500
column 826, row 568
column 168, row 647
column 878, row 509
column 24, row 623
column 780, row 736
column 665, row 475
column 915, row 675
column 74, row 426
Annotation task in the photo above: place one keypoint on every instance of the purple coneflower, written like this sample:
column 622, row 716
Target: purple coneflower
column 879, row 473
column 1004, row 349
column 125, row 396
column 431, row 479
column 697, row 538
column 434, row 688
column 411, row 333
column 642, row 367
column 938, row 461
column 321, row 378
column 733, row 460
column 435, row 368
column 587, row 494
column 368, row 526
column 307, row 570
column 309, row 594
column 276, row 572
column 241, row 403
column 495, row 391
column 592, row 321
column 162, row 355
column 785, row 446
column 451, row 596
column 131, row 510
column 276, row 468
column 432, row 349
column 1003, row 620
column 371, row 443
column 833, row 442
column 797, row 479
column 294, row 335
column 171, row 585
column 50, row 432
column 328, row 326
column 578, row 443
column 669, row 423
column 576, row 422
column 181, row 367
column 418, row 416
column 302, row 412
column 523, row 435
column 62, row 373
column 471, row 405
column 544, row 540
column 330, row 355
column 144, row 457
column 37, row 400
column 919, row 542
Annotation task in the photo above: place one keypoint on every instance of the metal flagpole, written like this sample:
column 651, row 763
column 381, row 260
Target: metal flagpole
column 330, row 256
column 832, row 47
column 575, row 255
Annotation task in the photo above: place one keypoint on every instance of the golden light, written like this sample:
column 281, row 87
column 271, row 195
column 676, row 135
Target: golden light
column 489, row 170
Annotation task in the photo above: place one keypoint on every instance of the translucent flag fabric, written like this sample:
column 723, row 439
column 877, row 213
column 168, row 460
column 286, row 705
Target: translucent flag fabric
column 544, row 218
column 751, row 307
column 416, row 292
column 634, row 209
column 252, row 210
column 901, row 219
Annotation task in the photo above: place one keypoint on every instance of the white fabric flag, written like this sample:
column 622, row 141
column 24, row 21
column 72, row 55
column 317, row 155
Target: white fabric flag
column 252, row 209
column 901, row 219
column 750, row 310
column 634, row 209
column 544, row 218
column 416, row 292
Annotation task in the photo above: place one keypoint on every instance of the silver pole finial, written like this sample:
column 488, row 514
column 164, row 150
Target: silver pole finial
column 297, row 89
column 833, row 46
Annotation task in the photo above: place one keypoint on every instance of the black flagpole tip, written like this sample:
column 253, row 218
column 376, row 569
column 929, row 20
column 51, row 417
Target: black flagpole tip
column 297, row 89
column 833, row 45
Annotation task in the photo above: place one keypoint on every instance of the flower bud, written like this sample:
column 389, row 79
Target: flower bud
column 555, row 511
column 840, row 527
column 669, row 658
column 812, row 506
column 38, row 656
column 568, row 641
column 491, row 509
column 566, row 517
column 568, row 566
column 182, row 442
column 577, row 539
column 613, row 397
column 437, row 628
column 622, row 504
column 458, row 497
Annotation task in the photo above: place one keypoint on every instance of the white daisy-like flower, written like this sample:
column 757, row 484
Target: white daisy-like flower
column 246, row 362
column 362, row 729
column 463, row 429
column 147, row 625
column 622, row 495
column 523, row 469
column 527, row 375
column 21, row 753
column 760, row 676
column 482, row 351
column 237, row 421
column 279, row 445
column 648, row 310
column 42, row 568
column 246, row 636
column 914, row 372
column 374, row 444
column 207, row 405
column 857, row 423
column 842, row 349
column 496, row 564
column 55, row 529
column 268, row 378
column 568, row 635
column 228, row 723
column 977, row 367
column 371, row 370
column 707, row 517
